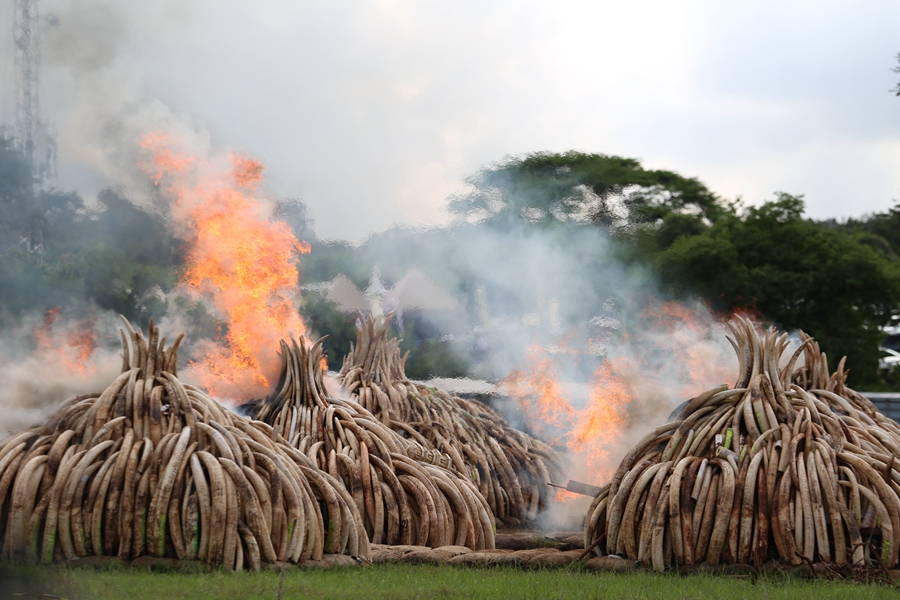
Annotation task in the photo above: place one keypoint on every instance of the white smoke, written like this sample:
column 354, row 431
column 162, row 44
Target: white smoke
column 37, row 377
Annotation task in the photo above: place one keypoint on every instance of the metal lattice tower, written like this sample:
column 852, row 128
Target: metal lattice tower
column 27, row 57
column 32, row 136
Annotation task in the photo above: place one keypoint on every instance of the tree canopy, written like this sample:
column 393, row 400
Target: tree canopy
column 838, row 281
column 536, row 237
column 797, row 273
column 608, row 191
column 56, row 251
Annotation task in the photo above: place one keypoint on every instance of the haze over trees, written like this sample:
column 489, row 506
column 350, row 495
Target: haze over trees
column 54, row 251
column 840, row 282
column 571, row 237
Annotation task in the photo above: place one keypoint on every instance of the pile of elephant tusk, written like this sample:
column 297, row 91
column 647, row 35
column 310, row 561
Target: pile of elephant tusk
column 408, row 494
column 511, row 468
column 155, row 467
column 790, row 465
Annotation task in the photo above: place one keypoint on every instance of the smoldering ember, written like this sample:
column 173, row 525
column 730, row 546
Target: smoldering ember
column 263, row 449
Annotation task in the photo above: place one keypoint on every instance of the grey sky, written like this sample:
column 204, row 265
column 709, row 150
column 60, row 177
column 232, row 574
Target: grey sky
column 373, row 112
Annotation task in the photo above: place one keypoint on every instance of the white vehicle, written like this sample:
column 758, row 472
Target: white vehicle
column 890, row 360
column 891, row 349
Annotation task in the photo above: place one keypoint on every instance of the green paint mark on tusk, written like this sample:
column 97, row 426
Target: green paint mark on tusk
column 98, row 543
column 48, row 551
column 33, row 542
column 329, row 535
column 162, row 534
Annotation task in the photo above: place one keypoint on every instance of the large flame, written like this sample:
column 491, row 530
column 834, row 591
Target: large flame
column 546, row 402
column 679, row 352
column 601, row 422
column 587, row 429
column 239, row 259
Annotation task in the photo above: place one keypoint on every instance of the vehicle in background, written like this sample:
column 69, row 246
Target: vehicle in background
column 890, row 360
column 891, row 349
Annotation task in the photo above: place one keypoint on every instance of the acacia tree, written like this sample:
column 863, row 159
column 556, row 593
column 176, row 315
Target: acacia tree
column 838, row 284
column 611, row 192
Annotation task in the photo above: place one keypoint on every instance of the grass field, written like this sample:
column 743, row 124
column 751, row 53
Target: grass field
column 412, row 581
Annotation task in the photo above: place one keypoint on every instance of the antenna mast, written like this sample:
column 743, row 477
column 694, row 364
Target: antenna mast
column 32, row 136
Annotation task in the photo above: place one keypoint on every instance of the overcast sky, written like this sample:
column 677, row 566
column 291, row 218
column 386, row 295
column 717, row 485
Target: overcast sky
column 372, row 112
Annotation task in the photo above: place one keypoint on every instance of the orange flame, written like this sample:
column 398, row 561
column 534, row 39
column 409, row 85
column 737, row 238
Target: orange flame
column 239, row 259
column 71, row 347
column 547, row 404
column 601, row 422
column 678, row 354
column 587, row 432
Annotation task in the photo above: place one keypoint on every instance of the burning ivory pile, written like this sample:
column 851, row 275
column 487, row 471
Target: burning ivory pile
column 153, row 466
column 790, row 464
column 512, row 468
column 408, row 495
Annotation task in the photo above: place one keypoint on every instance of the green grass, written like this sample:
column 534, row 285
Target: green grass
column 409, row 581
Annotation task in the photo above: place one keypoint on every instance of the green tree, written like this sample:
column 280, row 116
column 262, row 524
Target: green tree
column 608, row 191
column 115, row 255
column 884, row 230
column 797, row 273
column 430, row 355
column 880, row 230
column 17, row 198
column 324, row 318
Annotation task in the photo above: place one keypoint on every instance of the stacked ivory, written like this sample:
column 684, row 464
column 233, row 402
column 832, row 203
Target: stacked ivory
column 790, row 464
column 512, row 468
column 406, row 494
column 155, row 467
